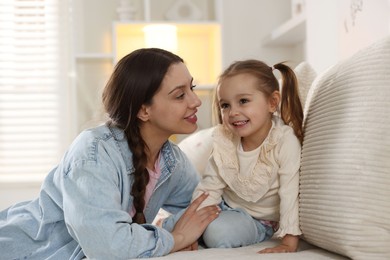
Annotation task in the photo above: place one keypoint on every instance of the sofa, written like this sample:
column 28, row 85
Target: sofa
column 344, row 199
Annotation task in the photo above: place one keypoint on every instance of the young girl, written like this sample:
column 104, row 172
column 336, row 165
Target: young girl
column 253, row 170
column 114, row 178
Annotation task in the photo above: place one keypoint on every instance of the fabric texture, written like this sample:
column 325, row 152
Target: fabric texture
column 305, row 75
column 345, row 169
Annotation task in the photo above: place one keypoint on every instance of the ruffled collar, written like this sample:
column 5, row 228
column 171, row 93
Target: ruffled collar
column 253, row 186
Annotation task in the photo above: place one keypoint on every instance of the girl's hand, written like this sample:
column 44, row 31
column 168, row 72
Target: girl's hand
column 289, row 244
column 277, row 249
column 192, row 223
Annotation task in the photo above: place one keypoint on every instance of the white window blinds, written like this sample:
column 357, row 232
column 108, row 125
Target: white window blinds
column 30, row 94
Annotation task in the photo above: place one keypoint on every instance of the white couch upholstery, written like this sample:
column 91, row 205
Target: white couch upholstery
column 345, row 170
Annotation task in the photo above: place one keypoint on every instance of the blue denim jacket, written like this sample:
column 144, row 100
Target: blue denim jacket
column 82, row 209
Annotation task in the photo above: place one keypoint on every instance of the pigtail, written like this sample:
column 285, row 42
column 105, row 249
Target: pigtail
column 291, row 108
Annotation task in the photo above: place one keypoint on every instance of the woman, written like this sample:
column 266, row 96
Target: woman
column 114, row 178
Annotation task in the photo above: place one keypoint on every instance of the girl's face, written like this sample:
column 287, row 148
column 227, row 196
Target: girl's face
column 174, row 106
column 245, row 110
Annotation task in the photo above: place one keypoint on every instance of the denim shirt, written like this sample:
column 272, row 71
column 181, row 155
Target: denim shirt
column 84, row 204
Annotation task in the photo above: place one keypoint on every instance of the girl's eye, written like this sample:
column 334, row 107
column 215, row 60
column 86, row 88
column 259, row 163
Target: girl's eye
column 243, row 101
column 224, row 106
column 192, row 87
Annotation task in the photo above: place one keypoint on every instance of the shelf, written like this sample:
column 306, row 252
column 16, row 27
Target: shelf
column 199, row 44
column 290, row 33
column 98, row 56
column 205, row 87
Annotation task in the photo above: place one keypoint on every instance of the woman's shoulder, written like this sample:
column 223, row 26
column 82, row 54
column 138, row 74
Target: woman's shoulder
column 172, row 152
column 92, row 135
column 90, row 142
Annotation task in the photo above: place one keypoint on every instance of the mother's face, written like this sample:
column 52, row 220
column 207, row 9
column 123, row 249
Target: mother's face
column 174, row 106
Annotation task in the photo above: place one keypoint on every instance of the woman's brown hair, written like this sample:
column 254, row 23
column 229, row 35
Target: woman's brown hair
column 290, row 107
column 134, row 82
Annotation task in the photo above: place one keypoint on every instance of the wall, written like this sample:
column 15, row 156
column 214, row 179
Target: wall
column 362, row 23
column 246, row 23
column 336, row 29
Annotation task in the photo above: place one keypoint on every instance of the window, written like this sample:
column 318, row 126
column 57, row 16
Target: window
column 33, row 87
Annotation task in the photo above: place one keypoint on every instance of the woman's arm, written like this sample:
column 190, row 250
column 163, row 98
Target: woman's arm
column 192, row 223
column 184, row 192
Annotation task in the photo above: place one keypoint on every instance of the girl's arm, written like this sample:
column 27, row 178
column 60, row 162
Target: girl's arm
column 289, row 162
column 211, row 183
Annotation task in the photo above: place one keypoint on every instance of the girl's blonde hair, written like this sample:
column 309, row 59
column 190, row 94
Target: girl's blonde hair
column 290, row 106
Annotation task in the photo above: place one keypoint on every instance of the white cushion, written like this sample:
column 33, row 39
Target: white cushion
column 305, row 75
column 345, row 170
column 197, row 147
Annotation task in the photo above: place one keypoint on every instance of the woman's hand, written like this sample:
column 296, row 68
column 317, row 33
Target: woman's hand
column 289, row 244
column 192, row 224
column 191, row 247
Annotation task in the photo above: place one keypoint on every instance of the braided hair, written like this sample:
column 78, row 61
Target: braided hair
column 134, row 82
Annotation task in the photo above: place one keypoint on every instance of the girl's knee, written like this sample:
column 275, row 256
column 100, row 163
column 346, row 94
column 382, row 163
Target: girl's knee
column 230, row 229
column 215, row 237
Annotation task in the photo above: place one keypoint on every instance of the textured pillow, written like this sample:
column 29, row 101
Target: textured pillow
column 197, row 147
column 305, row 76
column 345, row 170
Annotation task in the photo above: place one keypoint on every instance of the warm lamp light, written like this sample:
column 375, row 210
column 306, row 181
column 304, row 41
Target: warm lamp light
column 162, row 36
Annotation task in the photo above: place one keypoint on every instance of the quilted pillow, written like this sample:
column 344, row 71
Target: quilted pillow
column 345, row 170
column 305, row 76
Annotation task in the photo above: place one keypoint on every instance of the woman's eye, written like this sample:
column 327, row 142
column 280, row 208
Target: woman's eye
column 192, row 87
column 181, row 96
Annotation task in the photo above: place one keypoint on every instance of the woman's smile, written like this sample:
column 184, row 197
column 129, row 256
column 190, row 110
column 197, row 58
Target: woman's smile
column 192, row 118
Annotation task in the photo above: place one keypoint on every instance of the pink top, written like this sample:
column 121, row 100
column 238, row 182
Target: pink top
column 153, row 178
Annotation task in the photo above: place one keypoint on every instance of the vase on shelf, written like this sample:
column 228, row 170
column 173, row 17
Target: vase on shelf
column 126, row 10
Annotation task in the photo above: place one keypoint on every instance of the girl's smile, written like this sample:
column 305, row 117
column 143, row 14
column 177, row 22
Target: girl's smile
column 240, row 123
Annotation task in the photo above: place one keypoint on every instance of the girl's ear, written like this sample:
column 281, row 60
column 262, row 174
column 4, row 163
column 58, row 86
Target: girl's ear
column 274, row 101
column 143, row 113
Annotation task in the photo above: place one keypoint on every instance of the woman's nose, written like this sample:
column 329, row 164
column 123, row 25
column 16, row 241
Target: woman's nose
column 194, row 100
